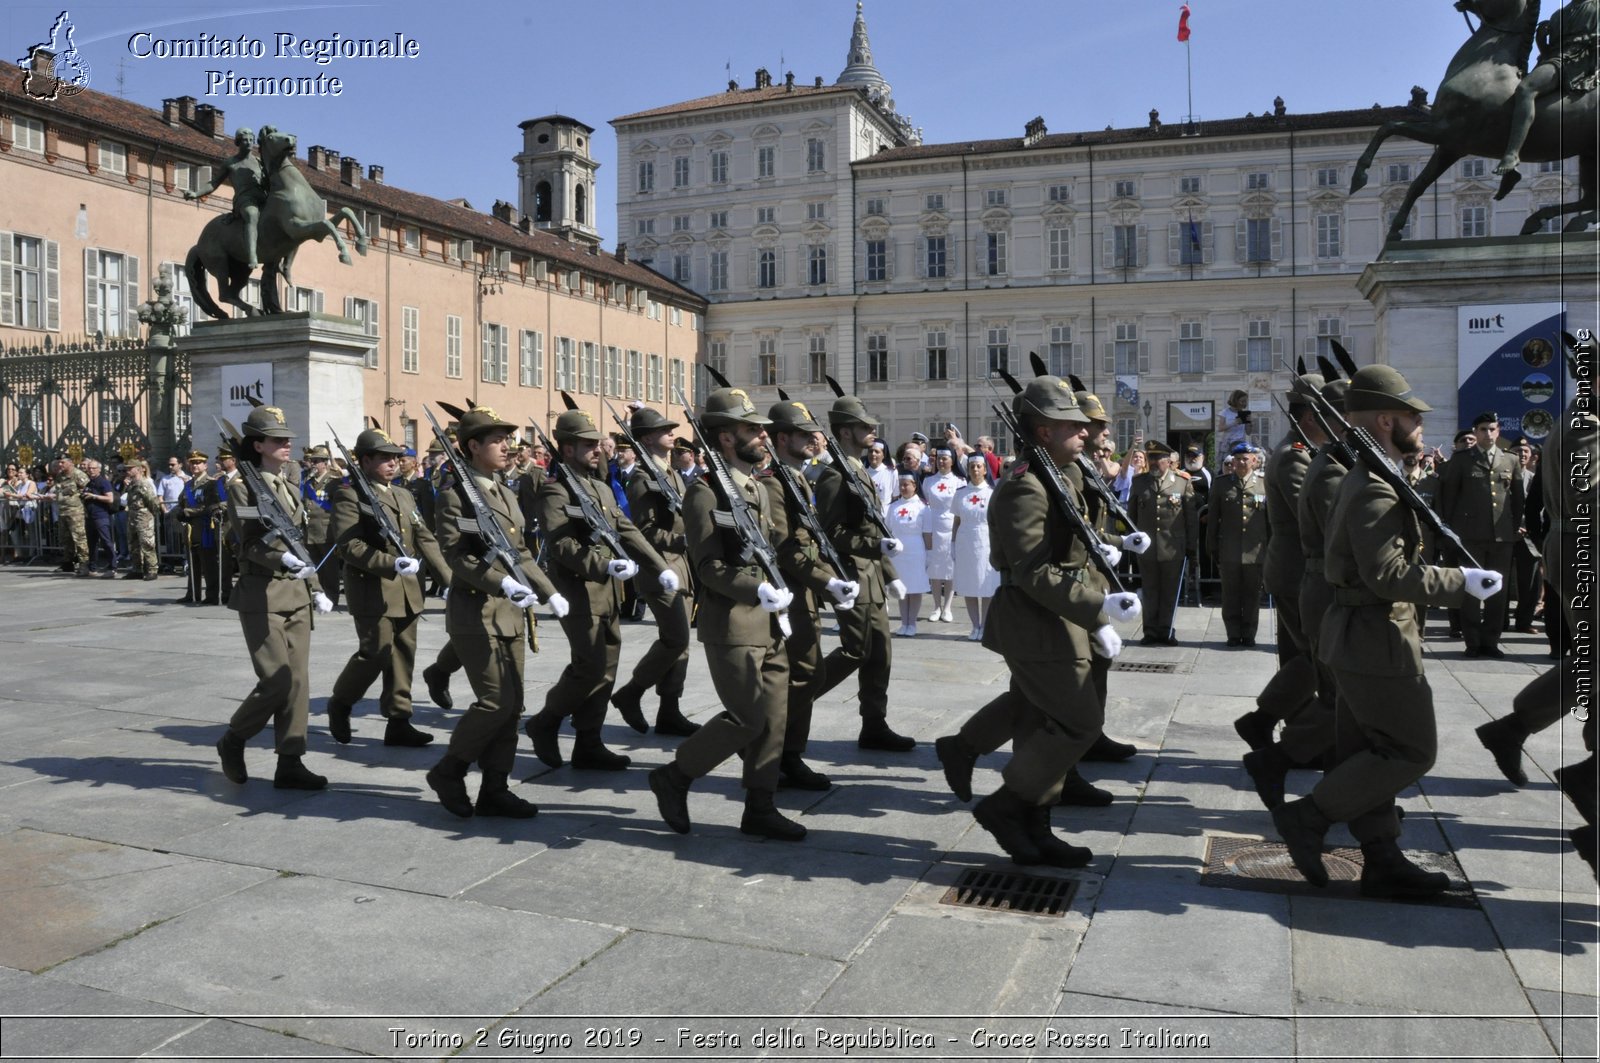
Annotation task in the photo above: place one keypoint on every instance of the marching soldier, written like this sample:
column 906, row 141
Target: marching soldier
column 384, row 593
column 793, row 435
column 1481, row 496
column 1236, row 535
column 864, row 643
column 276, row 595
column 317, row 487
column 1372, row 640
column 485, row 617
column 144, row 509
column 666, row 662
column 200, row 508
column 71, row 518
column 1161, row 503
column 591, row 578
column 738, row 625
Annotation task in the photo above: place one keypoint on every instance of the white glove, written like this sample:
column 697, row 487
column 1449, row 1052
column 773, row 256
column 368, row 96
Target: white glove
column 1482, row 583
column 304, row 571
column 622, row 569
column 1107, row 643
column 844, row 590
column 558, row 606
column 447, row 594
column 321, row 603
column 896, row 589
column 291, row 563
column 521, row 596
column 407, row 566
column 1122, row 607
column 891, row 546
column 669, row 581
column 846, row 605
column 1111, row 553
column 772, row 599
column 1137, row 543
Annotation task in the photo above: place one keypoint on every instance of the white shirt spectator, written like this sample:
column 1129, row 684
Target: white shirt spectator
column 170, row 488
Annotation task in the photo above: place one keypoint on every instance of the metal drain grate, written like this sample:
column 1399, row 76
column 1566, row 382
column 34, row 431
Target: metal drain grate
column 1166, row 667
column 1011, row 891
column 135, row 612
column 1265, row 867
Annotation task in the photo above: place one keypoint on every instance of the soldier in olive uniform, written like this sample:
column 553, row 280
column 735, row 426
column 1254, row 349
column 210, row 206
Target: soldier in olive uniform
column 384, row 593
column 1161, row 503
column 1047, row 618
column 317, row 486
column 1372, row 640
column 864, row 644
column 202, row 508
column 1236, row 535
column 793, row 438
column 227, row 549
column 485, row 616
column 1571, row 456
column 591, row 578
column 144, row 510
column 739, row 625
column 1481, row 495
column 441, row 480
column 666, row 662
column 276, row 594
column 71, row 519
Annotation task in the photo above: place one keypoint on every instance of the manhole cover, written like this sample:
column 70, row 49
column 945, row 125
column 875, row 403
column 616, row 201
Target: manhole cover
column 1011, row 891
column 1144, row 666
column 1265, row 867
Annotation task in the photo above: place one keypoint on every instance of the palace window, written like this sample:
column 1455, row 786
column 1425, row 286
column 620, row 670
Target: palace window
column 496, row 342
column 530, row 359
column 936, row 351
column 877, row 357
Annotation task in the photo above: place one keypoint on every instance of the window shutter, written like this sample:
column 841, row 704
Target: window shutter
column 1311, row 346
column 1172, row 356
column 1209, row 353
column 1144, row 247
column 1241, row 234
column 1277, row 240
column 1241, row 354
column 91, row 290
column 1174, row 246
column 893, row 355
column 921, row 368
column 1108, row 249
column 952, row 258
column 1144, row 358
column 953, row 362
column 372, row 317
column 8, row 312
column 888, row 260
column 755, row 365
column 1208, row 244
column 318, row 300
column 130, row 297
column 1108, row 357
column 467, row 250
column 350, row 307
column 1277, row 351
column 922, row 256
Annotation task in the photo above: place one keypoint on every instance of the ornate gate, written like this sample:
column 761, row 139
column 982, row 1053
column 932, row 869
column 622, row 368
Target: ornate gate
column 92, row 398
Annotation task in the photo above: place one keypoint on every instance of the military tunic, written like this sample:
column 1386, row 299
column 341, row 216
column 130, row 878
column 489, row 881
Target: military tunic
column 1236, row 535
column 1310, row 731
column 202, row 508
column 386, row 606
column 317, row 489
column 1481, row 497
column 1163, row 507
column 1294, row 685
column 807, row 576
column 666, row 663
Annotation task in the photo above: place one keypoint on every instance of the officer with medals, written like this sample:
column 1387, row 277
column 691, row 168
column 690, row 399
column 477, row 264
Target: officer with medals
column 485, row 616
column 793, row 436
column 591, row 578
column 197, row 508
column 1371, row 638
column 864, row 641
column 1236, row 536
column 383, row 591
column 738, row 624
column 666, row 663
column 1481, row 496
column 1161, row 503
column 317, row 487
column 275, row 596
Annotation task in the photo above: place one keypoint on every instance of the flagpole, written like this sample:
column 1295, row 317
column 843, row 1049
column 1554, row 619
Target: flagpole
column 1188, row 62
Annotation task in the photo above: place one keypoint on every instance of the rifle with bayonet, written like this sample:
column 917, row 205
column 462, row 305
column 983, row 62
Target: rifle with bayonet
column 663, row 482
column 583, row 505
column 738, row 516
column 367, row 498
column 280, row 527
column 866, row 496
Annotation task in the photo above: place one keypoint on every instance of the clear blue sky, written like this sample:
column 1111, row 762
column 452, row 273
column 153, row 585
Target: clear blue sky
column 445, row 123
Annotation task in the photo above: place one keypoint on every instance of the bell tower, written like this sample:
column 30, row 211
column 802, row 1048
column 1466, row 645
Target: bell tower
column 555, row 177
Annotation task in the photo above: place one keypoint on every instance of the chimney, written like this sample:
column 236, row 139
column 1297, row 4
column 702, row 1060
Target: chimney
column 350, row 172
column 1278, row 109
column 42, row 64
column 763, row 78
column 1155, row 119
column 733, row 85
column 622, row 253
column 818, row 81
column 788, row 81
column 525, row 224
column 169, row 112
column 1033, row 132
column 208, row 120
column 375, row 174
column 186, row 109
column 314, row 155
column 501, row 211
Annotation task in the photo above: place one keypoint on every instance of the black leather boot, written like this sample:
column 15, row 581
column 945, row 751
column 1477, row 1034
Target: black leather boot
column 496, row 799
column 1503, row 738
column 448, row 779
column 339, row 722
column 1385, row 872
column 626, row 698
column 400, row 732
column 1268, row 767
column 1255, row 728
column 1076, row 790
column 1109, row 750
column 1053, row 851
column 1009, row 818
column 671, row 787
column 958, row 760
column 589, row 753
column 796, row 774
column 762, row 818
column 543, row 728
column 1302, row 827
column 670, row 720
column 438, row 684
column 877, row 734
column 293, row 775
column 230, row 748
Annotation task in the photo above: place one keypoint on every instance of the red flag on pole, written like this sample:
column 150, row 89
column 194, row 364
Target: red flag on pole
column 1183, row 23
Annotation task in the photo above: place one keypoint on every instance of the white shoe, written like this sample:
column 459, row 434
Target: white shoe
column 949, row 614
column 976, row 635
column 911, row 631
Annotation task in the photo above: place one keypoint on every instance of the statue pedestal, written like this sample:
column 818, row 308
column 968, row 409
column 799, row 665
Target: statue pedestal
column 1418, row 287
column 310, row 366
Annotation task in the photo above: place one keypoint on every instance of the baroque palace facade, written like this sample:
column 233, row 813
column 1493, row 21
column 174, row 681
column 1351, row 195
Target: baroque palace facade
column 507, row 307
column 1166, row 265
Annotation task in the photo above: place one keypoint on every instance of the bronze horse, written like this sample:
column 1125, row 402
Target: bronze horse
column 1471, row 115
column 292, row 214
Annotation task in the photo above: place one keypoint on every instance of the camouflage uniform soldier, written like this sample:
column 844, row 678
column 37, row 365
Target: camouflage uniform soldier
column 144, row 509
column 71, row 520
